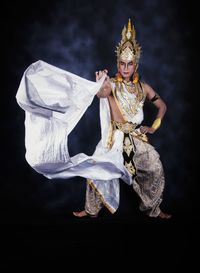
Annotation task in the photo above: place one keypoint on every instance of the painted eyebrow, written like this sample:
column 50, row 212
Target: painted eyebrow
column 121, row 62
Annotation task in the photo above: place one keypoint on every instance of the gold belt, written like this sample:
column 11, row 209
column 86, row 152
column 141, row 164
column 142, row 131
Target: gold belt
column 126, row 128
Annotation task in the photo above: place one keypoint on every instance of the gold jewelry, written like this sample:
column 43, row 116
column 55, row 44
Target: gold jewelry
column 128, row 49
column 156, row 124
column 130, row 87
column 135, row 77
column 119, row 77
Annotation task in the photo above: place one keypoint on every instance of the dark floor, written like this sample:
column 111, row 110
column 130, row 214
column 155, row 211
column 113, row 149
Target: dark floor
column 42, row 239
column 46, row 242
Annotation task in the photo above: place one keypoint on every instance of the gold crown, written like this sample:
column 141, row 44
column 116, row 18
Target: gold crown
column 128, row 49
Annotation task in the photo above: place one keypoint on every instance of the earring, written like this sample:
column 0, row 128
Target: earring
column 135, row 77
column 119, row 77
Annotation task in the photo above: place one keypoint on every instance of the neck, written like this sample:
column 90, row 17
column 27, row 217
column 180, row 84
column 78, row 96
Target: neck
column 126, row 80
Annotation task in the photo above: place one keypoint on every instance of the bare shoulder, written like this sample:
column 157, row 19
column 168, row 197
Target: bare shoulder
column 149, row 91
column 112, row 80
column 147, row 88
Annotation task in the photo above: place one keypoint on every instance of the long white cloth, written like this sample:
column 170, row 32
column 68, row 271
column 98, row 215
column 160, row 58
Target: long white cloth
column 54, row 101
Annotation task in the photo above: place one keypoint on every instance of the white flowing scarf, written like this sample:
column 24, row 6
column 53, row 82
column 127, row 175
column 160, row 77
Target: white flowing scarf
column 54, row 100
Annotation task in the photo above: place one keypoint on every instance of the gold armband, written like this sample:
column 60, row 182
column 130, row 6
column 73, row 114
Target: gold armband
column 156, row 124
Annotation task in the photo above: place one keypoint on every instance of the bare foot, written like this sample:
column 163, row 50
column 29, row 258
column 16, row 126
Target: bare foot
column 164, row 215
column 80, row 214
column 83, row 213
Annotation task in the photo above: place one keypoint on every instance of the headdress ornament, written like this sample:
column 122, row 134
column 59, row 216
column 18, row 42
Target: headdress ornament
column 128, row 49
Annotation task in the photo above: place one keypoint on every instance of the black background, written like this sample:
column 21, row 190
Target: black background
column 36, row 213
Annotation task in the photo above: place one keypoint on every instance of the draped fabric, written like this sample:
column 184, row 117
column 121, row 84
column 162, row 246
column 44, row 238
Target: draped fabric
column 54, row 100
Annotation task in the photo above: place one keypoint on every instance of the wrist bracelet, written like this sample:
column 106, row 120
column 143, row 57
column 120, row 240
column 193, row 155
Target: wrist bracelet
column 156, row 124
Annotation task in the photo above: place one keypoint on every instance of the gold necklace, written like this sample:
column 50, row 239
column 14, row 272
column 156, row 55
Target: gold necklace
column 130, row 87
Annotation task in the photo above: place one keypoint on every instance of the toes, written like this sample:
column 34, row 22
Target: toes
column 165, row 215
column 79, row 213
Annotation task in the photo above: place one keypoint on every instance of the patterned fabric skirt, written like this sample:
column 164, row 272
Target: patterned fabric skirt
column 143, row 163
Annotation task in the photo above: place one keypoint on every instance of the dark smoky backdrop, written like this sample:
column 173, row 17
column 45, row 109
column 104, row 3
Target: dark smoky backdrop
column 81, row 37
